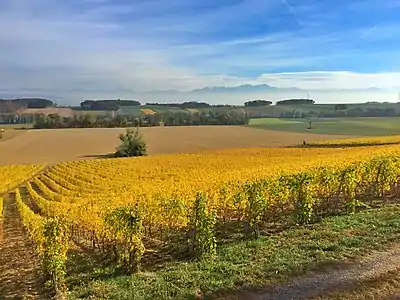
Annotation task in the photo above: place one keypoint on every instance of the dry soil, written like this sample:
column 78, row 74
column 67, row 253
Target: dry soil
column 54, row 145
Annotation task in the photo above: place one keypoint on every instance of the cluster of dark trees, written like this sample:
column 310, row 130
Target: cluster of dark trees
column 107, row 104
column 189, row 104
column 17, row 118
column 116, row 104
column 340, row 107
column 205, row 118
column 295, row 101
column 13, row 104
column 90, row 121
column 257, row 103
column 167, row 119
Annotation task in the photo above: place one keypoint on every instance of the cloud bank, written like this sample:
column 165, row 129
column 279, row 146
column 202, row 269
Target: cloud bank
column 74, row 50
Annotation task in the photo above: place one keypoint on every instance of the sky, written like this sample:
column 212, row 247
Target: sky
column 84, row 49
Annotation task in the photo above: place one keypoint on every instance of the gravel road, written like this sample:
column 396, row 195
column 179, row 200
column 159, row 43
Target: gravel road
column 339, row 279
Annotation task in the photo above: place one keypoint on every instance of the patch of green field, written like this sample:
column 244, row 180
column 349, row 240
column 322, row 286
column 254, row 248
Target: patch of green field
column 130, row 111
column 273, row 122
column 177, row 110
column 395, row 106
column 248, row 264
column 337, row 126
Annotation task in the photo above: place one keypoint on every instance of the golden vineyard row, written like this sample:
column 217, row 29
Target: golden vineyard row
column 51, row 240
column 165, row 187
column 380, row 140
column 1, row 209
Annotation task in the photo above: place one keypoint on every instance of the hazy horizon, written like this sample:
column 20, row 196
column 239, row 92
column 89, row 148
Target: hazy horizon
column 235, row 98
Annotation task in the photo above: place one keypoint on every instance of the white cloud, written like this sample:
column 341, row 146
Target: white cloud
column 333, row 80
column 87, row 53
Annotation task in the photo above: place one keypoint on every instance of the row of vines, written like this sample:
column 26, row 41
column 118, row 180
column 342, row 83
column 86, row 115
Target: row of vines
column 50, row 236
column 364, row 141
column 12, row 176
column 1, row 217
column 118, row 205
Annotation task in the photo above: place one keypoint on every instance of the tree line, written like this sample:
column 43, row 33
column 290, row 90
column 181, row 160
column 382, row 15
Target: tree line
column 116, row 104
column 295, row 101
column 10, row 105
column 107, row 104
column 205, row 118
column 255, row 103
column 166, row 119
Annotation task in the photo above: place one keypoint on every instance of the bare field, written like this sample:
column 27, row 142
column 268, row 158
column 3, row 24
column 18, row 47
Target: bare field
column 54, row 145
column 11, row 131
column 61, row 111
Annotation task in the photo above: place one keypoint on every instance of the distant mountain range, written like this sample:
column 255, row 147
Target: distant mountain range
column 248, row 88
column 241, row 88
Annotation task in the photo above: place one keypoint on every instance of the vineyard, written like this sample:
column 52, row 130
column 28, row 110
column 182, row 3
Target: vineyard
column 128, row 209
column 357, row 142
column 12, row 176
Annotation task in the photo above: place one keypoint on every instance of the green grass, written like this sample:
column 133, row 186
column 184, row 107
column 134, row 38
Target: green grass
column 274, row 122
column 249, row 264
column 336, row 126
column 130, row 111
column 177, row 110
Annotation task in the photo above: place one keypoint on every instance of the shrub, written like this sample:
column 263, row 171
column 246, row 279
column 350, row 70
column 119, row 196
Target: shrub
column 132, row 144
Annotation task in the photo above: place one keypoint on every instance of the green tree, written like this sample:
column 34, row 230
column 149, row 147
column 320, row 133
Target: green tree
column 132, row 144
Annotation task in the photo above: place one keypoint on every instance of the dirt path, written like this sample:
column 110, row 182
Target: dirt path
column 19, row 266
column 338, row 280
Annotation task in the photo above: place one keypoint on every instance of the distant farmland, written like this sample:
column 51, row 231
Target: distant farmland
column 365, row 126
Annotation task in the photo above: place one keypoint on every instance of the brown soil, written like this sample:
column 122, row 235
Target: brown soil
column 20, row 276
column 54, row 145
column 9, row 134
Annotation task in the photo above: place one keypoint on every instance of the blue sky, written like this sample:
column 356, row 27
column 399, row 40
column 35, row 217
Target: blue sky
column 83, row 48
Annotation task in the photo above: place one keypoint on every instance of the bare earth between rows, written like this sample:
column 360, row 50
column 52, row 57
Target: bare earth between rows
column 20, row 276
